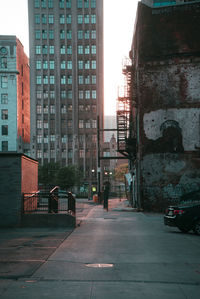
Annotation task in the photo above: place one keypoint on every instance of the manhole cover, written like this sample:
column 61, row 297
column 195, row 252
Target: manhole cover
column 100, row 265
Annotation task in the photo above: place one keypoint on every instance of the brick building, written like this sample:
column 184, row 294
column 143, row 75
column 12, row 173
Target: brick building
column 14, row 96
column 166, row 103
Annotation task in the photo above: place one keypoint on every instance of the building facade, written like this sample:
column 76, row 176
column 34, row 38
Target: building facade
column 66, row 59
column 14, row 96
column 166, row 104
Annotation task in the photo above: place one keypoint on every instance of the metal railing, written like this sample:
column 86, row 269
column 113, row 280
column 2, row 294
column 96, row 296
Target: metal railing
column 53, row 201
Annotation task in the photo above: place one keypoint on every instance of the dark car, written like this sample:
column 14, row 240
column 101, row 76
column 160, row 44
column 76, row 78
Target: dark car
column 186, row 214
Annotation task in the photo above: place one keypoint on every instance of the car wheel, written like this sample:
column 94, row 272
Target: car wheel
column 184, row 230
column 197, row 228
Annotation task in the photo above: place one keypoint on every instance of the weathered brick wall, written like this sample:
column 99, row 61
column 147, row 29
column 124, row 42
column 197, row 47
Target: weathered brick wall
column 166, row 84
column 18, row 174
column 10, row 190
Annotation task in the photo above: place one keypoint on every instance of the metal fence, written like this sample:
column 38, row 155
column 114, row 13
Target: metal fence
column 48, row 202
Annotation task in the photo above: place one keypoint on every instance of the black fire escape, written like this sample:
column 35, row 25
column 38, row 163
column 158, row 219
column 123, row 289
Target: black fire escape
column 125, row 123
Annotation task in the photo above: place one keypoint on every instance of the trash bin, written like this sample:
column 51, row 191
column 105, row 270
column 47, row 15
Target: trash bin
column 95, row 198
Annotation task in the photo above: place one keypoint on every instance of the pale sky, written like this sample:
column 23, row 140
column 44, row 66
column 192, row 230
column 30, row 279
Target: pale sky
column 119, row 19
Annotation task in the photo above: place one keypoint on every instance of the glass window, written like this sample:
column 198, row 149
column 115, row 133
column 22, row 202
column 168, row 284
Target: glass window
column 94, row 94
column 4, row 98
column 62, row 49
column 94, row 50
column 94, row 64
column 45, row 94
column 38, row 65
column 51, row 34
column 93, row 19
column 37, row 19
column 80, row 4
column 62, row 19
column 69, row 49
column 45, row 79
column 69, row 123
column 38, row 94
column 86, row 19
column 93, row 34
column 80, row 34
column 51, row 19
column 93, row 3
column 81, row 124
column 52, row 94
column 87, row 94
column 44, row 3
column 69, row 34
column 63, row 94
column 4, row 146
column 37, row 49
column 4, row 130
column 50, row 3
column 63, row 65
column 51, row 49
column 44, row 19
column 94, row 123
column 45, row 64
column 81, row 108
column 80, row 19
column 37, row 3
column 69, row 19
column 39, row 138
column 52, row 79
column 39, row 109
column 80, row 94
column 69, row 79
column 52, row 137
column 3, row 62
column 44, row 49
column 37, row 34
column 39, row 154
column 86, row 3
column 94, row 108
column 87, row 124
column 87, row 65
column 87, row 49
column 62, row 3
column 81, row 153
column 80, row 64
column 68, row 3
column 44, row 34
column 80, row 49
column 69, row 94
column 52, row 109
column 4, row 81
column 63, row 79
column 51, row 64
column 87, row 34
column 46, row 109
column 62, row 34
column 63, row 109
column 4, row 114
column 87, row 79
column 80, row 79
column 69, row 64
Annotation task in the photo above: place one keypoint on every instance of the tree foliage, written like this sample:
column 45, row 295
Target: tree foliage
column 120, row 171
column 51, row 175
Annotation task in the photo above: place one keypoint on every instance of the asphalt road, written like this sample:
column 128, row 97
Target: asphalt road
column 119, row 254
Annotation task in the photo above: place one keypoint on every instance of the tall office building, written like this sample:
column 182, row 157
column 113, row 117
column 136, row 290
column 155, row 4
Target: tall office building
column 14, row 96
column 66, row 61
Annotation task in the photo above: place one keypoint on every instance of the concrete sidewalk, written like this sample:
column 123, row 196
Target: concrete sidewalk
column 119, row 254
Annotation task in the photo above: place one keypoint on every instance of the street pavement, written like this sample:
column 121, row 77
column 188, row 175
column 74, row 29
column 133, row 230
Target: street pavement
column 119, row 254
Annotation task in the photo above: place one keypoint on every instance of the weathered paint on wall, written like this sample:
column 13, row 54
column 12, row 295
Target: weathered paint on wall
column 188, row 120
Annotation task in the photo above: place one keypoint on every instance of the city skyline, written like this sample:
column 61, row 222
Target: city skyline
column 119, row 25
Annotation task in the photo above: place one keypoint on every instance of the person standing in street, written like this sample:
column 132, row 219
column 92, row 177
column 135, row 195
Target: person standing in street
column 106, row 195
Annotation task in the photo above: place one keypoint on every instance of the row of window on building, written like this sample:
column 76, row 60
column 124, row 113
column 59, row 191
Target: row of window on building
column 45, row 109
column 82, row 124
column 49, row 34
column 65, row 139
column 81, row 19
column 45, row 65
column 64, row 3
